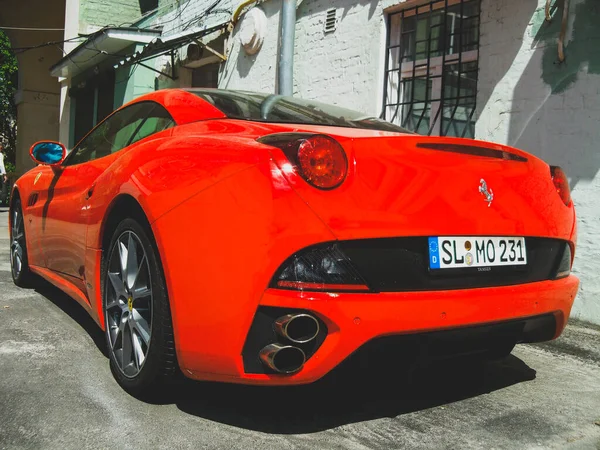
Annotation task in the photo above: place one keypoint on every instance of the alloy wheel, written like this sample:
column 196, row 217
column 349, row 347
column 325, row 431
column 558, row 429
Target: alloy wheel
column 128, row 304
column 17, row 244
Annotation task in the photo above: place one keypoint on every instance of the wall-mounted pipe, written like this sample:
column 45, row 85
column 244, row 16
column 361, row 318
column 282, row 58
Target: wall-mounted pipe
column 286, row 55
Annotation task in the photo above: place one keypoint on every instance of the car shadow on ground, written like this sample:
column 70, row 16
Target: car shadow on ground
column 75, row 311
column 354, row 392
column 350, row 394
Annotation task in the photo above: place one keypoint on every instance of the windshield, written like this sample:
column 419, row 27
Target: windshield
column 278, row 109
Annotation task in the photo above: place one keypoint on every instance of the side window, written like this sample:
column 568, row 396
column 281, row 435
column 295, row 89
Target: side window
column 93, row 142
column 116, row 132
column 123, row 136
column 158, row 120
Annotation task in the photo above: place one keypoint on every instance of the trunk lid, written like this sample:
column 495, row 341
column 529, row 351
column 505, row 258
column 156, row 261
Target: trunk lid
column 410, row 185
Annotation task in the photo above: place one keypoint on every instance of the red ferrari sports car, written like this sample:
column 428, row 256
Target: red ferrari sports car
column 261, row 239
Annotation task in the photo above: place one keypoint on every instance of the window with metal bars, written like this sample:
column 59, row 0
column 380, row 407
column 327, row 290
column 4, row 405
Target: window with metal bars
column 431, row 67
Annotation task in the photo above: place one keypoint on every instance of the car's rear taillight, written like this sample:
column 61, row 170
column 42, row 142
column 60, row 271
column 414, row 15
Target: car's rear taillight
column 321, row 268
column 559, row 178
column 318, row 158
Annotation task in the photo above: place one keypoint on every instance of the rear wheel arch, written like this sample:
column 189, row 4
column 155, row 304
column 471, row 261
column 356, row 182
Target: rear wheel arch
column 13, row 197
column 124, row 206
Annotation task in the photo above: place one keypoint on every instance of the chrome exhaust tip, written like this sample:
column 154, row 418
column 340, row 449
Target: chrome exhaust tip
column 283, row 358
column 297, row 328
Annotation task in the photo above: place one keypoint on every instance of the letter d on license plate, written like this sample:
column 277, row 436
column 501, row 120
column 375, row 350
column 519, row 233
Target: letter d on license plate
column 452, row 252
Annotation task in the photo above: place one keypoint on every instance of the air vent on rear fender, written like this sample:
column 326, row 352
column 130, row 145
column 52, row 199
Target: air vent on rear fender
column 33, row 198
column 330, row 21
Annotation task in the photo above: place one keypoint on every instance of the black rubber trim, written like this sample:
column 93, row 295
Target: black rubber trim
column 402, row 265
column 472, row 150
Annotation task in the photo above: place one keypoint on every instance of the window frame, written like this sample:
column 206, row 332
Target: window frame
column 433, row 68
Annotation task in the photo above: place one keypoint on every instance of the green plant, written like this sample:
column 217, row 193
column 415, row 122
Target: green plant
column 8, row 109
column 10, row 167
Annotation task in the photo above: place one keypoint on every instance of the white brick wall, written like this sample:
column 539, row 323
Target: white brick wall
column 342, row 67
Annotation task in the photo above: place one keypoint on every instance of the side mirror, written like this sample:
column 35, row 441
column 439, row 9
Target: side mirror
column 48, row 153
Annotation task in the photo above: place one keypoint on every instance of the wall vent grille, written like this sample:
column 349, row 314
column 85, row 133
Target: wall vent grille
column 330, row 21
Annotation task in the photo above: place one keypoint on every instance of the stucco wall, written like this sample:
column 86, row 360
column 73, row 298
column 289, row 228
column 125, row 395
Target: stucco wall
column 529, row 100
column 39, row 93
column 66, row 106
column 94, row 14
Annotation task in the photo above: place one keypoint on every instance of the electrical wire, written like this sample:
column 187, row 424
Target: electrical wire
column 149, row 13
column 177, row 16
column 31, row 29
column 213, row 6
column 197, row 19
column 206, row 12
column 185, row 26
column 129, row 76
column 46, row 44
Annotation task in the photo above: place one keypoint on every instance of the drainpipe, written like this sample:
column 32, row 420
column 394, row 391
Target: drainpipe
column 286, row 57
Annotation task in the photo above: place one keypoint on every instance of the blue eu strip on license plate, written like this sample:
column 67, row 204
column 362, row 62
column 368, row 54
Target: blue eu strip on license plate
column 452, row 252
column 434, row 253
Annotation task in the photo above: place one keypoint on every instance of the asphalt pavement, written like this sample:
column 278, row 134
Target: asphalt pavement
column 57, row 392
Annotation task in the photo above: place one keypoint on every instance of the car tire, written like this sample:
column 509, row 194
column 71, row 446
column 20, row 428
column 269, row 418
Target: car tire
column 137, row 315
column 19, row 263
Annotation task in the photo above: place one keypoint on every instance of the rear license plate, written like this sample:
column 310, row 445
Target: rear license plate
column 451, row 252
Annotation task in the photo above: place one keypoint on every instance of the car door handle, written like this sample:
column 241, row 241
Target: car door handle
column 90, row 192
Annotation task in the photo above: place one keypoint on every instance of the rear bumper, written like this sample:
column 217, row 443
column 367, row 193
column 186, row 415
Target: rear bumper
column 353, row 320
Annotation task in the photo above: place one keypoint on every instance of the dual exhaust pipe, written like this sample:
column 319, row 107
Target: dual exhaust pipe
column 283, row 358
column 298, row 329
